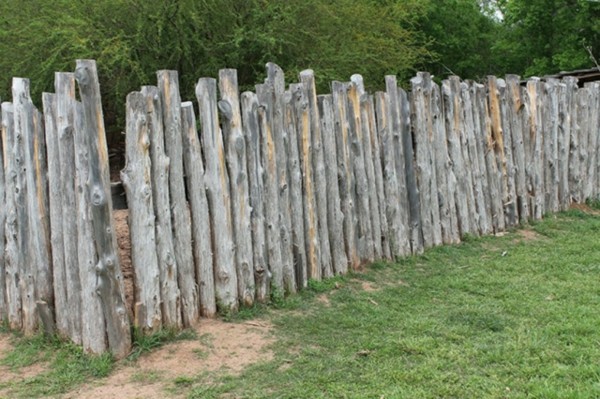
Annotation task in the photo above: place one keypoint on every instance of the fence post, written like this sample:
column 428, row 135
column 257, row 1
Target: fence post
column 550, row 122
column 3, row 211
column 590, row 186
column 110, row 280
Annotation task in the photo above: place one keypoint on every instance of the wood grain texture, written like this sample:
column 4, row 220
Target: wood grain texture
column 3, row 212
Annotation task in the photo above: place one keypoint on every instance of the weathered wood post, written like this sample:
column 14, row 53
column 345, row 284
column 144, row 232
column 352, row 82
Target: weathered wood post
column 574, row 168
column 582, row 126
column 110, row 280
column 201, row 233
column 3, row 211
column 590, row 186
column 136, row 179
column 165, row 250
column 550, row 122
column 68, row 283
column 168, row 88
column 235, row 155
column 219, row 200
column 256, row 188
column 309, row 90
column 14, row 256
column 536, row 98
column 335, row 217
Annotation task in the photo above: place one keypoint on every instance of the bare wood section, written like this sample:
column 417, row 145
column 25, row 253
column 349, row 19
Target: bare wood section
column 536, row 140
column 590, row 188
column 307, row 79
column 136, row 179
column 3, row 195
column 168, row 88
column 550, row 123
column 219, row 200
column 235, row 152
column 14, row 256
column 201, row 232
column 249, row 103
column 165, row 250
column 110, row 281
column 335, row 217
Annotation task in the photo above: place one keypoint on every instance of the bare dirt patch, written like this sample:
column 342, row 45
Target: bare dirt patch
column 8, row 376
column 368, row 286
column 585, row 208
column 528, row 235
column 220, row 347
column 324, row 299
column 124, row 242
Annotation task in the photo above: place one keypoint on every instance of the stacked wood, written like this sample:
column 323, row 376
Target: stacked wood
column 335, row 217
column 249, row 105
column 168, row 88
column 110, row 281
column 165, row 249
column 136, row 179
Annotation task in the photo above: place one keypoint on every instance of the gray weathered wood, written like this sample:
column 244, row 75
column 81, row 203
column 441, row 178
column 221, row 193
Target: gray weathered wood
column 165, row 250
column 536, row 132
column 574, row 162
column 249, row 102
column 311, row 233
column 550, row 123
column 402, row 142
column 64, row 85
column 422, row 128
column 307, row 79
column 3, row 212
column 201, row 233
column 168, row 88
column 273, row 235
column 590, row 184
column 345, row 175
column 515, row 107
column 275, row 87
column 219, row 200
column 296, row 199
column 23, row 111
column 136, row 178
column 14, row 256
column 93, row 333
column 583, row 134
column 235, row 153
column 361, row 187
column 595, row 131
column 110, row 280
column 335, row 217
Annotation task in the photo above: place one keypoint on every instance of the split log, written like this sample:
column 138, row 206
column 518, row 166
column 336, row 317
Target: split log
column 311, row 237
column 536, row 131
column 590, row 184
column 408, row 190
column 168, row 88
column 595, row 127
column 335, row 217
column 219, row 200
column 14, row 256
column 136, row 178
column 3, row 211
column 422, row 128
column 110, row 279
column 165, row 250
column 296, row 200
column 515, row 108
column 235, row 154
column 256, row 190
column 67, row 273
column 574, row 160
column 345, row 175
column 93, row 331
column 550, row 124
column 583, row 135
column 361, row 188
column 309, row 90
column 273, row 99
column 201, row 233
column 23, row 118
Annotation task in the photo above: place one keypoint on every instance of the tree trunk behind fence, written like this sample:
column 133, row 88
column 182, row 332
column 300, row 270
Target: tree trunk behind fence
column 136, row 179
column 334, row 211
column 219, row 200
column 110, row 279
column 235, row 153
column 201, row 233
column 320, row 183
column 14, row 256
column 296, row 200
column 165, row 250
column 249, row 102
column 168, row 87
column 68, row 272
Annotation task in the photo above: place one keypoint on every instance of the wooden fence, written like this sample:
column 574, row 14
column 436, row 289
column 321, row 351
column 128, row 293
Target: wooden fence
column 247, row 196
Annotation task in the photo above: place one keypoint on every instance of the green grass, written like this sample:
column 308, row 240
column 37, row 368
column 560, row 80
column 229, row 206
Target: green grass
column 496, row 317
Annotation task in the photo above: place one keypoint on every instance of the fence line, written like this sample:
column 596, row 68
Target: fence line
column 262, row 191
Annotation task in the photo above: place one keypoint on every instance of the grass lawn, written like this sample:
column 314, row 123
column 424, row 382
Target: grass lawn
column 498, row 317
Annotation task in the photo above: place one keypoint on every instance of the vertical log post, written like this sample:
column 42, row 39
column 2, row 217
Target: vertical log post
column 110, row 280
column 536, row 133
column 165, row 250
column 590, row 187
column 235, row 153
column 168, row 88
column 550, row 122
column 3, row 212
column 219, row 200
